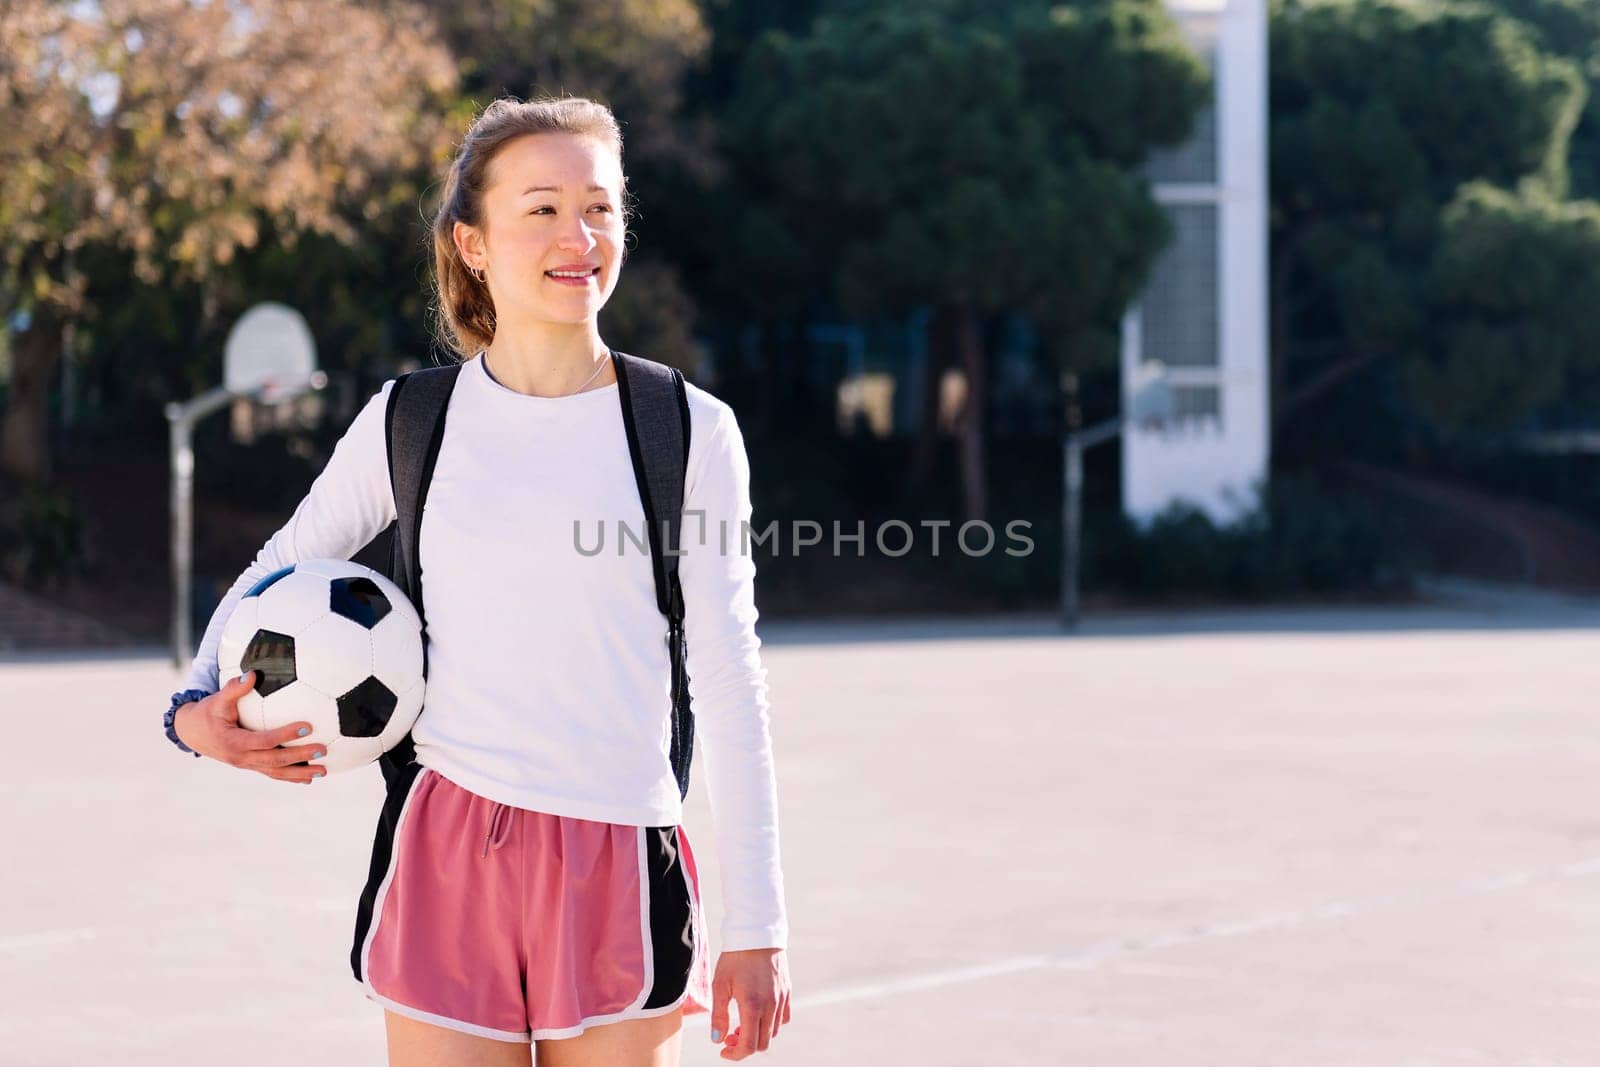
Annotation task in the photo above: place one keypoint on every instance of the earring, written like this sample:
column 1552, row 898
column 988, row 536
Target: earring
column 476, row 272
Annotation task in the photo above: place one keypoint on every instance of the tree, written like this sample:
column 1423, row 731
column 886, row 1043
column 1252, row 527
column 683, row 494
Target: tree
column 1514, row 283
column 1381, row 112
column 1569, row 28
column 969, row 157
column 174, row 131
column 630, row 54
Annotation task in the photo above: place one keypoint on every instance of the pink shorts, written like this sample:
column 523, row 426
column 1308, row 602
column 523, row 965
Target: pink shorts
column 524, row 926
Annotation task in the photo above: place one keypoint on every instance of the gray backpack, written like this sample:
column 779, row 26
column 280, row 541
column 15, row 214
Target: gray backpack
column 655, row 411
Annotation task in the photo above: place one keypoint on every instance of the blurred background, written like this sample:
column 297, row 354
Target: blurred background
column 910, row 243
column 1312, row 783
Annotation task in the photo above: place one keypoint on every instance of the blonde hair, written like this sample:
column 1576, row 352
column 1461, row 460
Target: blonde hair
column 465, row 310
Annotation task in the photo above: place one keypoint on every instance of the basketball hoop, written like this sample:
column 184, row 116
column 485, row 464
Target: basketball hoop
column 1150, row 400
column 275, row 392
column 270, row 354
column 270, row 358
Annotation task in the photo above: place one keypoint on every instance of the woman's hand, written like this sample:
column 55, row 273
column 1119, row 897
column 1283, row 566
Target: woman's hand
column 211, row 727
column 758, row 978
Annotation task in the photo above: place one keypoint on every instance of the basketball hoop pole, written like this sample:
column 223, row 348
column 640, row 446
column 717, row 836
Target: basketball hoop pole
column 1072, row 507
column 180, row 426
column 1148, row 401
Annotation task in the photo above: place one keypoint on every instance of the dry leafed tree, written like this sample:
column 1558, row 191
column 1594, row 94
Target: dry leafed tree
column 172, row 129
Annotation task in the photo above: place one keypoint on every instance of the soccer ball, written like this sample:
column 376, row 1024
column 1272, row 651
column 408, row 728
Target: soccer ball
column 337, row 645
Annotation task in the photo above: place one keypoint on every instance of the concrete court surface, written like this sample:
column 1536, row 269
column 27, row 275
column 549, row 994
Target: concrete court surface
column 1300, row 838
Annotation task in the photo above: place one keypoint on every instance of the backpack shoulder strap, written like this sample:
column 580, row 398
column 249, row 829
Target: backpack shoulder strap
column 414, row 427
column 655, row 410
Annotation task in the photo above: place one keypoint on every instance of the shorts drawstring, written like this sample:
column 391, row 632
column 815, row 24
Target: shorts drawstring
column 498, row 832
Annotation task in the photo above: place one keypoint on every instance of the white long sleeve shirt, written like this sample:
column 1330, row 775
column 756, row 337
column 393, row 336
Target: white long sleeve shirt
column 548, row 670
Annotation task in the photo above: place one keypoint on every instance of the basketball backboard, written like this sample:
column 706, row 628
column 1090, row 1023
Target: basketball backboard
column 1150, row 401
column 269, row 354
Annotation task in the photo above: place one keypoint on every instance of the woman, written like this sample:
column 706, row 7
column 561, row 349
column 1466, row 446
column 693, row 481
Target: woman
column 537, row 843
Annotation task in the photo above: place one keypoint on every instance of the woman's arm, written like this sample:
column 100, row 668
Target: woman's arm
column 348, row 504
column 727, row 683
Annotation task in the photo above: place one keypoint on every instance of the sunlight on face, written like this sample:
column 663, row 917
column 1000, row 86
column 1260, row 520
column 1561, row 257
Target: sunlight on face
column 554, row 228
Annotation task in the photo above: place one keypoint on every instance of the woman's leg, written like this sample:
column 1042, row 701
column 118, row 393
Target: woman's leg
column 653, row 1042
column 419, row 1044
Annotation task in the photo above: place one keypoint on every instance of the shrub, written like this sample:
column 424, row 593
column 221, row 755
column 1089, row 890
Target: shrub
column 41, row 538
column 1301, row 539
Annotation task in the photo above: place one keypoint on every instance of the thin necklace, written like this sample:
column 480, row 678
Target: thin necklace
column 600, row 366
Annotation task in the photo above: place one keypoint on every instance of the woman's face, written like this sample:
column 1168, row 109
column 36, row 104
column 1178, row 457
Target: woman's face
column 554, row 204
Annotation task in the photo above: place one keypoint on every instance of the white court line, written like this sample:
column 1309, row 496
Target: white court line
column 45, row 939
column 219, row 919
column 923, row 981
column 1087, row 957
column 1099, row 952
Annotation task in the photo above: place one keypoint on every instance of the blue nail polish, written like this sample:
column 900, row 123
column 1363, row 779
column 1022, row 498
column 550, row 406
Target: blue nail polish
column 716, row 1035
column 304, row 730
column 318, row 754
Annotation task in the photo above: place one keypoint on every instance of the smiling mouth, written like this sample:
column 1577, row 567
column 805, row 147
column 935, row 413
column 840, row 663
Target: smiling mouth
column 572, row 275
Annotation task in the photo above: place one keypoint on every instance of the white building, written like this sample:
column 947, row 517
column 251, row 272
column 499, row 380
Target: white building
column 1204, row 314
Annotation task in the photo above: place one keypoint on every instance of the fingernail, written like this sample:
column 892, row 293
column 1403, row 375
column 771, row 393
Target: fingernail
column 318, row 774
column 716, row 1035
column 318, row 754
column 304, row 730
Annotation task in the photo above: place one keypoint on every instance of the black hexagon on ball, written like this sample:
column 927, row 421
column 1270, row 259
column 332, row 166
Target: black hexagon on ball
column 271, row 655
column 359, row 600
column 365, row 710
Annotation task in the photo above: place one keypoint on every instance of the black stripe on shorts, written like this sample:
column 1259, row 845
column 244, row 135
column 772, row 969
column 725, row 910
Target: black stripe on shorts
column 382, row 853
column 672, row 926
